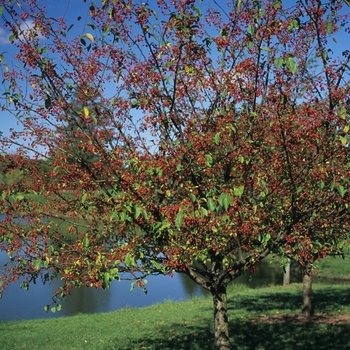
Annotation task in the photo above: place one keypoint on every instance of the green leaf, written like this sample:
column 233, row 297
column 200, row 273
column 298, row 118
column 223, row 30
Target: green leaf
column 198, row 11
column 294, row 24
column 1, row 10
column 320, row 185
column 279, row 61
column 264, row 238
column 225, row 200
column 47, row 308
column 342, row 113
column 105, row 282
column 238, row 191
column 155, row 15
column 217, row 138
column 86, row 242
column 192, row 197
column 208, row 160
column 12, row 37
column 37, row 264
column 156, row 265
column 59, row 307
column 292, row 66
column 179, row 167
column 204, row 211
column 341, row 190
column 344, row 140
column 329, row 25
column 137, row 212
column 19, row 197
column 211, row 204
column 179, row 218
column 277, row 5
column 83, row 198
column 53, row 309
column 129, row 260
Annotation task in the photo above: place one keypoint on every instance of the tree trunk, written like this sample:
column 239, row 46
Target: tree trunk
column 286, row 275
column 307, row 310
column 222, row 341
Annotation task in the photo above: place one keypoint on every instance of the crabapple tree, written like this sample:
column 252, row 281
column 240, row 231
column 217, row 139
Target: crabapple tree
column 172, row 136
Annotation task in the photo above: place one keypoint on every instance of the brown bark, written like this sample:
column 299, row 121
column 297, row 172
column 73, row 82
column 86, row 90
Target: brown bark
column 307, row 310
column 222, row 341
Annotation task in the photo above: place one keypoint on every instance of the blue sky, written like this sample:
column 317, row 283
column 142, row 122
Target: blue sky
column 70, row 10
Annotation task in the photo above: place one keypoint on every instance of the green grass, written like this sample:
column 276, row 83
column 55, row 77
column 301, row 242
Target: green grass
column 188, row 325
column 334, row 267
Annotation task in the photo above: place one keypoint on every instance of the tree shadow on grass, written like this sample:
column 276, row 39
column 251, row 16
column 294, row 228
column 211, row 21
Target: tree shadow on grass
column 291, row 336
column 251, row 336
column 255, row 333
column 175, row 337
column 323, row 301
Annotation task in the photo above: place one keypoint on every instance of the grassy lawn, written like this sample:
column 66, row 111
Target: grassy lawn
column 188, row 325
column 334, row 267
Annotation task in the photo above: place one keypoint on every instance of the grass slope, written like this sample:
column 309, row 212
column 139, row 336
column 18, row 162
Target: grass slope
column 188, row 325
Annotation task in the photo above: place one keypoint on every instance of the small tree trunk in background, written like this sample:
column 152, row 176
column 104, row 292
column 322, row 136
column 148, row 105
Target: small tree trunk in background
column 307, row 310
column 222, row 341
column 286, row 275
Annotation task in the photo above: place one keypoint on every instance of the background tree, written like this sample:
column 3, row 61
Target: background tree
column 217, row 142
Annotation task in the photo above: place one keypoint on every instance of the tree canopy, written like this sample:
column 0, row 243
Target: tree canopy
column 218, row 133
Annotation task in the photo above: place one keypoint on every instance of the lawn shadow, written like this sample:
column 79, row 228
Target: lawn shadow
column 246, row 334
column 175, row 336
column 260, row 335
column 250, row 336
column 323, row 300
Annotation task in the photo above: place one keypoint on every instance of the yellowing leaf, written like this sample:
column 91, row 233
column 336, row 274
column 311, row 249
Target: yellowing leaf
column 346, row 128
column 168, row 46
column 344, row 140
column 342, row 113
column 90, row 37
column 85, row 112
column 189, row 70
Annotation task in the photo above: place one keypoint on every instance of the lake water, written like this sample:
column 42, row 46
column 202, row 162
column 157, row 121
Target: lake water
column 19, row 304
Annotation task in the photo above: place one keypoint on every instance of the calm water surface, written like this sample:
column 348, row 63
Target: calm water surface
column 19, row 304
